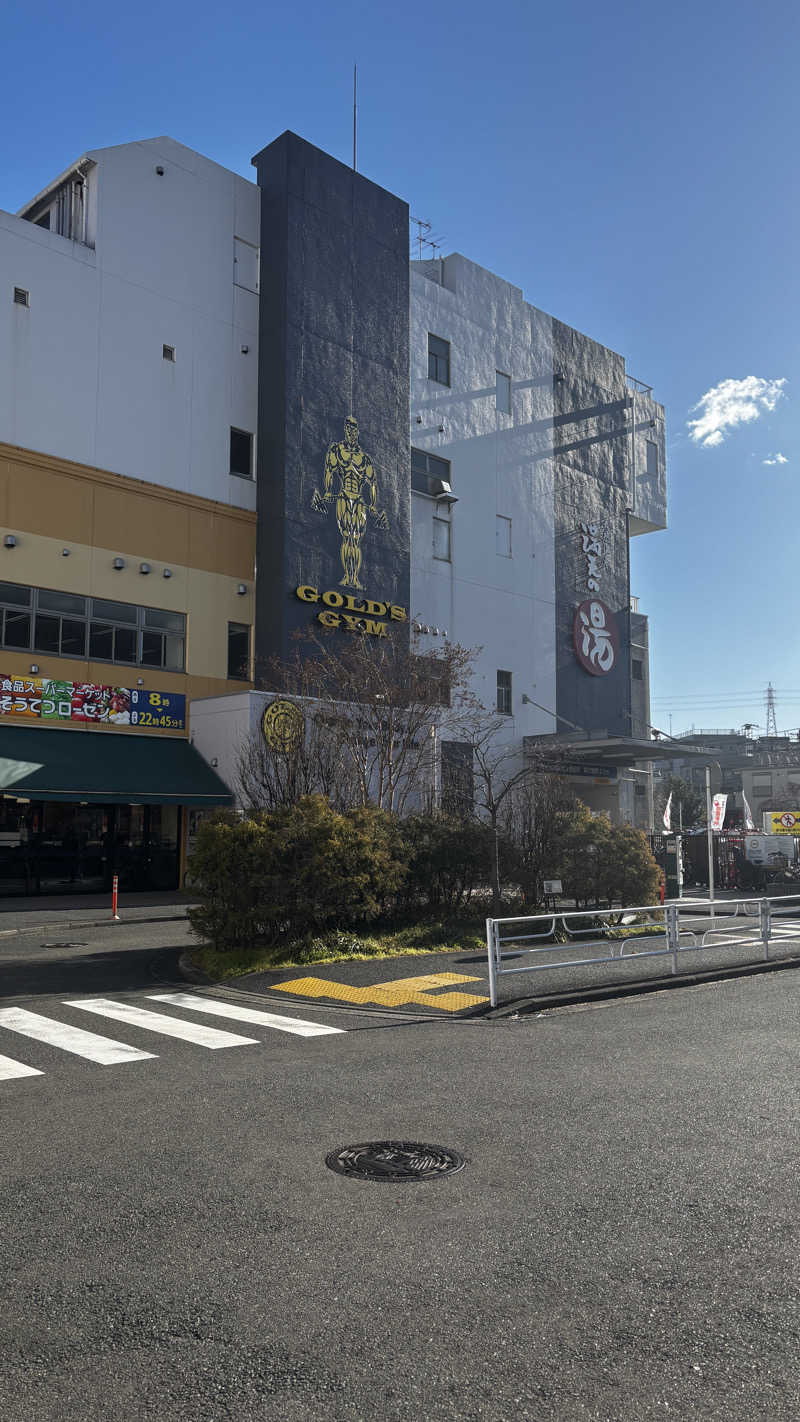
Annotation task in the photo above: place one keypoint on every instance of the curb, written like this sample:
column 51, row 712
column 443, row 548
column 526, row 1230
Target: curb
column 525, row 1006
column 89, row 923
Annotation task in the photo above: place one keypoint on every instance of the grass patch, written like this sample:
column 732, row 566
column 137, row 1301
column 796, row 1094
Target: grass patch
column 336, row 946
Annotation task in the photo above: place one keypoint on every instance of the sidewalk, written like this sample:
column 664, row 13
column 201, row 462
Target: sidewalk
column 30, row 915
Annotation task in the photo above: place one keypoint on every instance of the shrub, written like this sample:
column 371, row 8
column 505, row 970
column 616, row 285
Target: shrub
column 293, row 871
column 447, row 860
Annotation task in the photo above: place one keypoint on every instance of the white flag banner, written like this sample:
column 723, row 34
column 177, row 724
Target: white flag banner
column 718, row 806
column 668, row 813
column 748, row 814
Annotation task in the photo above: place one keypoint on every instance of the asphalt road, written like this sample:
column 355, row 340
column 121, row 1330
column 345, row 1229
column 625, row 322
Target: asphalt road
column 622, row 1243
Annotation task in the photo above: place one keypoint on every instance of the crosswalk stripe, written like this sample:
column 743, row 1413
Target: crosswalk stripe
column 91, row 1045
column 196, row 1032
column 297, row 1025
column 9, row 1068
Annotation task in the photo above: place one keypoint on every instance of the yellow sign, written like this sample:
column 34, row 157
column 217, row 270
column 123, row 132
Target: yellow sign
column 784, row 822
column 356, row 496
column 354, row 615
column 401, row 992
column 283, row 726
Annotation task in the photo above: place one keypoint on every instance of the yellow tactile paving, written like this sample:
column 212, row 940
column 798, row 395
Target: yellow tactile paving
column 400, row 992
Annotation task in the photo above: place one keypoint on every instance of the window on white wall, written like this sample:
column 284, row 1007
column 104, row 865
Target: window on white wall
column 503, row 536
column 652, row 457
column 241, row 454
column 441, row 538
column 245, row 264
column 504, row 703
column 503, row 393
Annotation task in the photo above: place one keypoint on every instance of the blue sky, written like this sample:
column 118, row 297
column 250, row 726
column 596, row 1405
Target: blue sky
column 633, row 168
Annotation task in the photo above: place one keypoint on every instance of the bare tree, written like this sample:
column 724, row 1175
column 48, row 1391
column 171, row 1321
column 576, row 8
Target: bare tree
column 503, row 774
column 376, row 709
column 536, row 816
column 270, row 776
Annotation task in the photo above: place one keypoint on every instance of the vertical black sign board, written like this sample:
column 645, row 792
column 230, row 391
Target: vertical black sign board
column 333, row 445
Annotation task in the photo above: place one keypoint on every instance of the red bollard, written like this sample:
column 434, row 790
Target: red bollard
column 114, row 894
column 662, row 891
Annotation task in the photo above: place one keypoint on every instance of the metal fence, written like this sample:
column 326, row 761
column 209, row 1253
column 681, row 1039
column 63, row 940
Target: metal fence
column 651, row 931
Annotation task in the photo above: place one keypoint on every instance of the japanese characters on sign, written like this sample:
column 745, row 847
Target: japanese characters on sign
column 594, row 629
column 41, row 699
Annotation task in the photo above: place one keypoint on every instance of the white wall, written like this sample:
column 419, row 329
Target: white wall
column 82, row 374
column 500, row 466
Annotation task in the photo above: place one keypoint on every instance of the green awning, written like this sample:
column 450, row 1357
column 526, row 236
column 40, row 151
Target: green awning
column 106, row 768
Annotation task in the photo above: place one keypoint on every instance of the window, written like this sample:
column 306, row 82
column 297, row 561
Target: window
column 21, row 296
column 503, row 393
column 168, row 352
column 458, row 779
column 245, row 264
column 438, row 360
column 504, row 693
column 502, row 536
column 762, row 785
column 637, row 669
column 441, row 538
column 241, row 461
column 64, row 624
column 429, row 473
column 238, row 651
column 652, row 457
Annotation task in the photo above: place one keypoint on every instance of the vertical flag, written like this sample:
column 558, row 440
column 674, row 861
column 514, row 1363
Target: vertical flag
column 748, row 814
column 718, row 807
column 668, row 813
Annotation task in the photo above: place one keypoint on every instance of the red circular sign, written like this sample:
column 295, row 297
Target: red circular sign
column 594, row 633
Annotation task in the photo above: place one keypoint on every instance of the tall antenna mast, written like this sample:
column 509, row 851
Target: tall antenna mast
column 772, row 728
column 355, row 112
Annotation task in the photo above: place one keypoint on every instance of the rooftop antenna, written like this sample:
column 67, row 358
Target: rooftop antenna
column 772, row 728
column 423, row 228
column 355, row 112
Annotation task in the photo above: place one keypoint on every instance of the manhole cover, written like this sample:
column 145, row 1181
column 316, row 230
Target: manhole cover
column 395, row 1161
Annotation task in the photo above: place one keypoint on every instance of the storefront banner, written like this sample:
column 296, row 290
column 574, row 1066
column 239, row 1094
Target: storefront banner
column 20, row 696
column 668, row 813
column 39, row 698
column 718, row 807
column 164, row 710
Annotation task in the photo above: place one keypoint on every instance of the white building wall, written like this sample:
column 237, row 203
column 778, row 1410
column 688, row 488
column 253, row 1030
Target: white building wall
column 500, row 465
column 82, row 375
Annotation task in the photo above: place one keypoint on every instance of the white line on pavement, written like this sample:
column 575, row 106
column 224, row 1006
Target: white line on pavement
column 70, row 1039
column 296, row 1025
column 9, row 1068
column 196, row 1032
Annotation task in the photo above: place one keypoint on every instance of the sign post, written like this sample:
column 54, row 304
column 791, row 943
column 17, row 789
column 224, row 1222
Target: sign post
column 710, row 843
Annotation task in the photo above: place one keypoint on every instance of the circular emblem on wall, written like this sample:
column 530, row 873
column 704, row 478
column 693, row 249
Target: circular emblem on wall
column 283, row 725
column 595, row 636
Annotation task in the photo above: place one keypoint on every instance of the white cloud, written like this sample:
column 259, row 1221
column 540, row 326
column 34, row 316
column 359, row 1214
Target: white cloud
column 776, row 459
column 731, row 403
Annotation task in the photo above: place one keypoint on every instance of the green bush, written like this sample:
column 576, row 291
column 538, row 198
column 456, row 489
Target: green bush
column 447, row 860
column 293, row 871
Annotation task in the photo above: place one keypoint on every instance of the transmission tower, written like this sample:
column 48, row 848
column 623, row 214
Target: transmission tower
column 772, row 728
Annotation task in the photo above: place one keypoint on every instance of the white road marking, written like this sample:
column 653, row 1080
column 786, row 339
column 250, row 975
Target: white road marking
column 196, row 1032
column 296, row 1025
column 9, row 1068
column 70, row 1039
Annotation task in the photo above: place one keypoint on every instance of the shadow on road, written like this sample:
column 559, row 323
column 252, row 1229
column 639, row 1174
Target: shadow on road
column 100, row 972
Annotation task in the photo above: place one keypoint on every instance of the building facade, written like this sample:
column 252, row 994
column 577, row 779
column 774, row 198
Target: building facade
column 201, row 377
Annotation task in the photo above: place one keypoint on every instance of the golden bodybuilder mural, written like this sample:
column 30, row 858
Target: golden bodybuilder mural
column 356, row 496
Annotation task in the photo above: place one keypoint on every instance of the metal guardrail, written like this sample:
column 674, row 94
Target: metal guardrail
column 724, row 923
